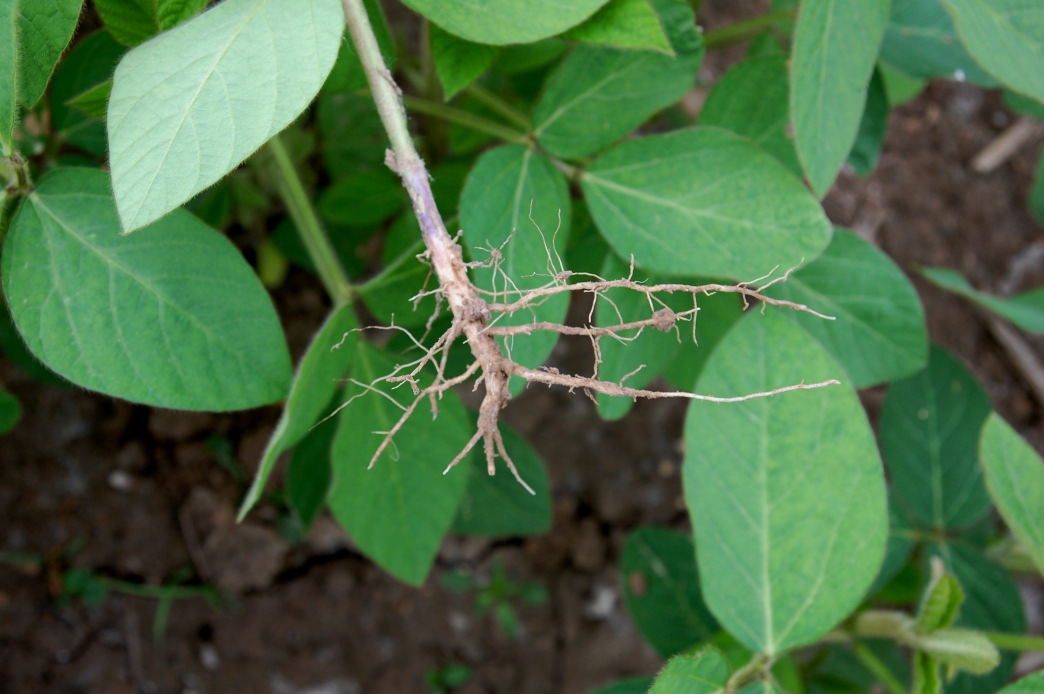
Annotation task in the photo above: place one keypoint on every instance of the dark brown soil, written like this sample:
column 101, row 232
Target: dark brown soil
column 144, row 494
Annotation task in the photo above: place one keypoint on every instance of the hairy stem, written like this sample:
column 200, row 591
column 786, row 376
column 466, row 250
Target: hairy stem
column 313, row 236
column 1015, row 642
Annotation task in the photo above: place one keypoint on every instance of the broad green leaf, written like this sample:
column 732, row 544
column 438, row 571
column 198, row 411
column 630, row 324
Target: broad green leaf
column 1036, row 195
column 929, row 429
column 879, row 330
column 866, row 149
column 991, row 603
column 317, row 378
column 703, row 201
column 599, row 94
column 1030, row 684
column 1024, row 310
column 752, row 99
column 1015, row 480
column 705, row 672
column 649, row 351
column 173, row 317
column 458, row 63
column 786, row 493
column 348, row 74
column 134, row 21
column 192, row 103
column 529, row 57
column 44, row 30
column 93, row 102
column 899, row 86
column 926, row 677
column 718, row 313
column 897, row 553
column 495, row 505
column 516, row 195
column 835, row 48
column 624, row 24
column 8, row 75
column 398, row 511
column 308, row 473
column 352, row 136
column 921, row 41
column 12, row 346
column 631, row 685
column 89, row 64
column 10, row 411
column 363, row 200
column 662, row 590
column 765, row 686
column 506, row 21
column 1006, row 37
column 1023, row 104
column 839, row 671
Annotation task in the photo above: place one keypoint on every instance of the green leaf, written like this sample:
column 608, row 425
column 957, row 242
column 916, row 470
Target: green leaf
column 1024, row 310
column 134, row 21
column 872, row 128
column 10, row 411
column 599, row 94
column 718, row 313
column 624, row 24
column 899, row 86
column 705, row 672
column 397, row 512
column 495, row 505
column 1015, row 480
column 348, row 74
column 942, row 600
column 8, row 75
column 363, row 200
column 662, row 590
column 921, row 41
column 173, row 317
column 390, row 294
column 703, row 201
column 12, row 346
column 89, row 64
column 879, row 329
column 650, row 351
column 516, row 192
column 991, row 603
column 835, row 47
column 44, row 30
column 961, row 649
column 458, row 63
column 353, row 138
column 192, row 103
column 308, row 473
column 1030, row 684
column 1023, row 104
column 505, row 21
column 93, row 102
column 926, row 677
column 317, row 378
column 897, row 553
column 752, row 99
column 1006, row 37
column 786, row 493
column 1036, row 195
column 929, row 429
column 631, row 685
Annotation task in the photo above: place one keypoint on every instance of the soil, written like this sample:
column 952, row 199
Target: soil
column 142, row 493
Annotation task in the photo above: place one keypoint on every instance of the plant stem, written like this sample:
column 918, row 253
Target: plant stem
column 1015, row 642
column 468, row 120
column 747, row 29
column 314, row 237
column 875, row 665
column 480, row 93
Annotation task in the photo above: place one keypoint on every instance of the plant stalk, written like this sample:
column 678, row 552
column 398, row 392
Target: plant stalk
column 876, row 666
column 468, row 120
column 313, row 236
column 480, row 93
column 1015, row 642
column 747, row 29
